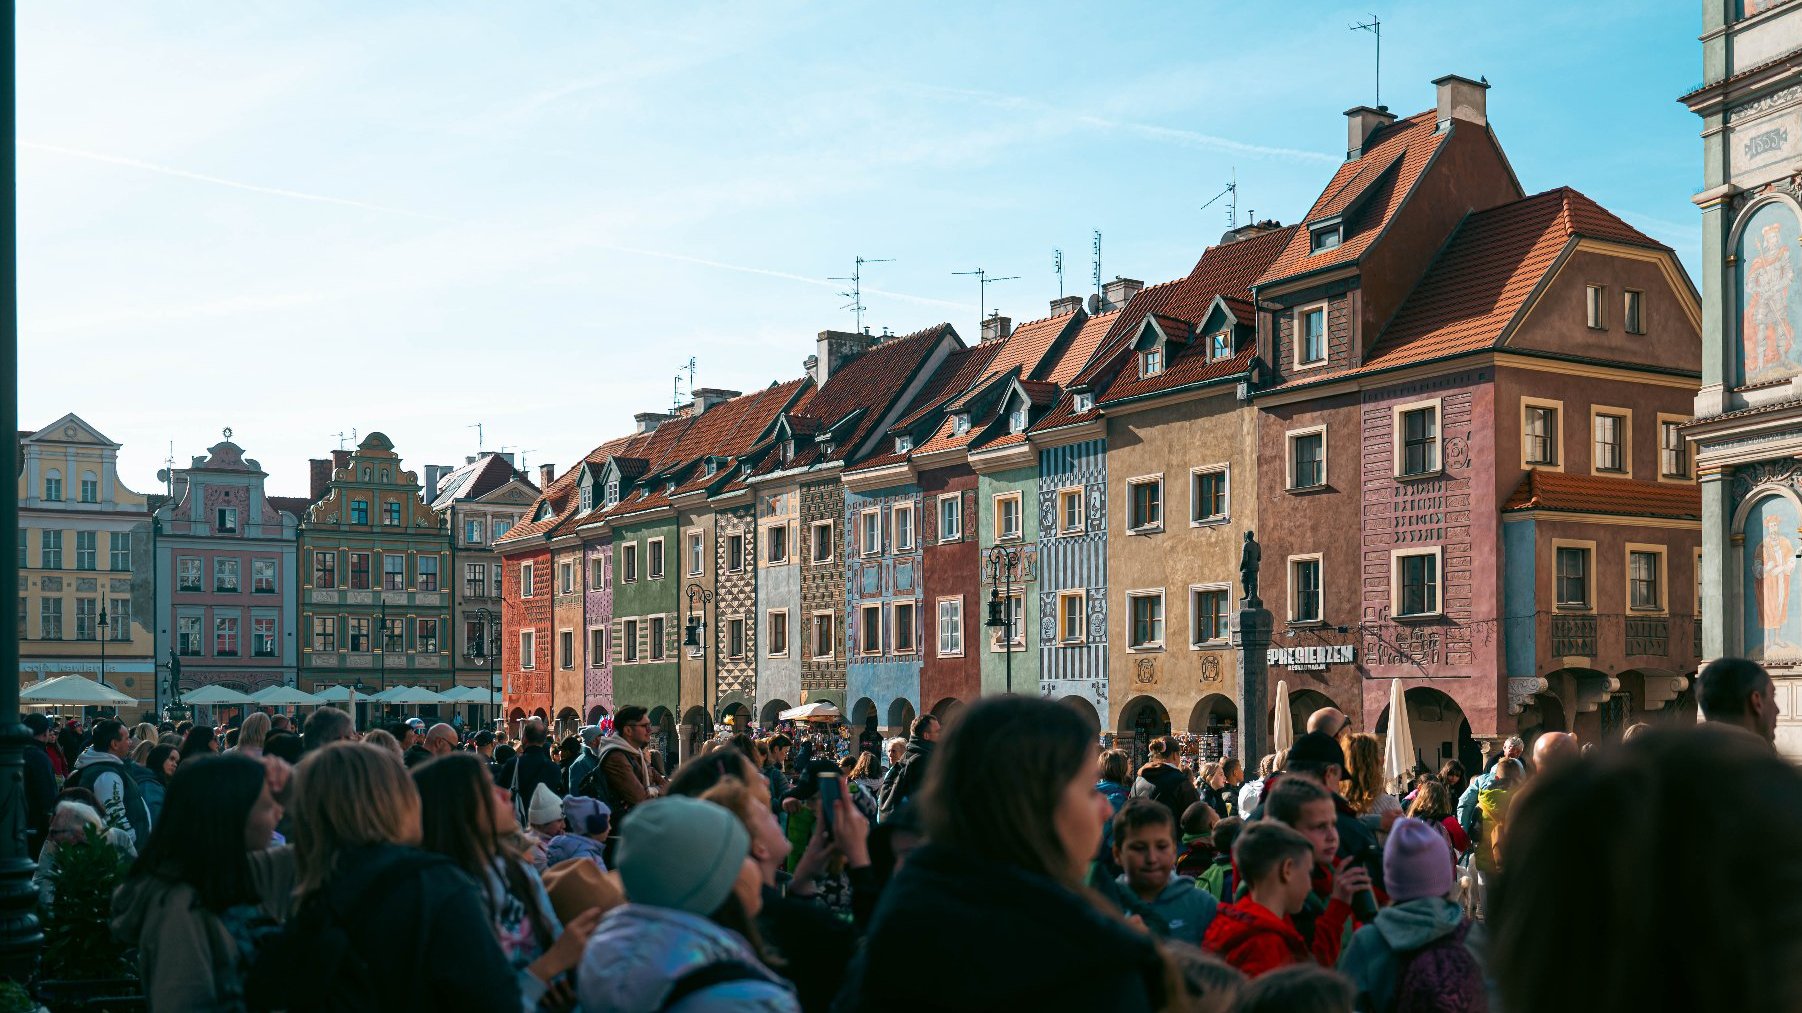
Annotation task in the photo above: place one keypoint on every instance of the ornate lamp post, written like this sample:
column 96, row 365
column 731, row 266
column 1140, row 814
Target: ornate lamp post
column 691, row 639
column 1003, row 561
column 102, row 625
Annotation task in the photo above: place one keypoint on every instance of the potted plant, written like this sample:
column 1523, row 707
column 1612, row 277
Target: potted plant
column 84, row 967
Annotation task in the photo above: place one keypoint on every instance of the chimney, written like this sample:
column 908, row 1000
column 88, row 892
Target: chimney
column 1360, row 123
column 996, row 327
column 1249, row 230
column 320, row 478
column 1065, row 305
column 547, row 473
column 647, row 421
column 837, row 348
column 469, row 459
column 1117, row 293
column 507, row 455
column 1460, row 98
column 434, row 473
column 707, row 397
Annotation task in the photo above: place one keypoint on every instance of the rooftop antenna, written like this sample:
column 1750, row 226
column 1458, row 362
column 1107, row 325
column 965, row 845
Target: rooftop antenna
column 856, row 305
column 169, row 463
column 983, row 281
column 478, row 428
column 1375, row 27
column 341, row 438
column 1057, row 264
column 1097, row 249
column 675, row 397
column 691, row 375
column 522, row 457
column 1231, row 193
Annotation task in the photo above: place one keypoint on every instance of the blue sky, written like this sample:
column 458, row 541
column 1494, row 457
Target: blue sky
column 300, row 219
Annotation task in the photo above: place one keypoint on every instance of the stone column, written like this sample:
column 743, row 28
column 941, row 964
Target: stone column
column 1251, row 634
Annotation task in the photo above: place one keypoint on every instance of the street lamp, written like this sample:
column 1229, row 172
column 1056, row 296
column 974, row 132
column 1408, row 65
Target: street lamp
column 691, row 639
column 102, row 625
column 1003, row 561
column 381, row 641
column 489, row 644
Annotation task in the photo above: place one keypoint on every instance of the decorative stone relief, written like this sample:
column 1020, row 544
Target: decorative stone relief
column 1522, row 689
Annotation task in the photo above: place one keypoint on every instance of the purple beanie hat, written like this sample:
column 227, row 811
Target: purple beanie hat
column 1416, row 862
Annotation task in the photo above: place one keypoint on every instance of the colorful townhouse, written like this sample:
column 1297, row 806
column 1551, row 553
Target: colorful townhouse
column 374, row 609
column 1484, row 387
column 85, row 558
column 480, row 502
column 1748, row 428
column 228, row 612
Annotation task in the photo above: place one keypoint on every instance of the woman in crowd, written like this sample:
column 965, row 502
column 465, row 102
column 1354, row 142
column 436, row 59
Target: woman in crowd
column 855, row 782
column 1364, row 788
column 685, row 940
column 252, row 733
column 200, row 742
column 1452, row 773
column 1252, row 793
column 1211, row 782
column 1014, row 819
column 384, row 739
column 1114, row 782
column 1433, row 804
column 152, row 776
column 862, row 773
column 376, row 917
column 207, row 890
column 1606, row 830
column 465, row 817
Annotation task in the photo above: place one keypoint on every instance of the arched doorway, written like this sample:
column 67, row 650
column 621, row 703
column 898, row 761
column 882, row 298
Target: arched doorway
column 567, row 722
column 1302, row 705
column 514, row 718
column 1141, row 720
column 596, row 713
column 1215, row 721
column 1543, row 713
column 1086, row 709
column 663, row 731
column 737, row 715
column 900, row 717
column 541, row 715
column 944, row 709
column 1439, row 729
column 862, row 712
column 770, row 710
column 695, row 730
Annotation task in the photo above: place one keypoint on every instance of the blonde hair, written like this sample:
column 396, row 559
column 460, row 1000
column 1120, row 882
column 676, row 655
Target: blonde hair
column 380, row 737
column 144, row 732
column 1207, row 771
column 1363, row 770
column 349, row 795
column 253, row 731
column 141, row 751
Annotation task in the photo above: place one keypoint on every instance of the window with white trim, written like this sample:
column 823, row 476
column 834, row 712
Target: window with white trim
column 597, row 646
column 1145, row 503
column 1220, row 346
column 1645, row 579
column 1673, row 450
column 1015, row 613
column 1071, row 616
column 776, row 540
column 1633, row 315
column 735, row 637
column 528, row 649
column 824, row 640
column 869, row 532
column 778, row 633
column 1572, row 570
column 696, row 554
column 525, row 580
column 1208, row 495
column 1304, row 589
column 823, row 541
column 869, row 629
column 629, row 639
column 628, row 562
column 1069, row 511
column 951, row 627
column 653, row 555
column 1145, row 620
column 566, row 649
column 735, row 553
column 1151, row 361
column 1540, row 435
column 1310, row 335
column 1007, row 517
column 1208, row 608
column 902, row 526
column 1307, row 458
column 1416, row 577
column 951, row 517
column 1596, row 307
column 1417, row 436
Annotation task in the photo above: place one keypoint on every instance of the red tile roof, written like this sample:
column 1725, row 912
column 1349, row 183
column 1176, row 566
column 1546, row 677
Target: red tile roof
column 296, row 505
column 1590, row 494
column 1378, row 182
column 1029, row 344
column 1189, row 368
column 963, row 367
column 1082, row 347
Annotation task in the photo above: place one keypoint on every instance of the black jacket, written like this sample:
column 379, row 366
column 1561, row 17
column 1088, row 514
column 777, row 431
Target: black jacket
column 910, row 776
column 40, row 793
column 1163, row 782
column 815, row 945
column 535, row 767
column 1221, row 801
column 958, row 932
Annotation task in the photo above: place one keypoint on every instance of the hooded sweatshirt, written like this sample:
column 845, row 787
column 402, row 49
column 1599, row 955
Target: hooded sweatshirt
column 1182, row 911
column 638, row 953
column 1254, row 939
column 112, row 783
column 1373, row 960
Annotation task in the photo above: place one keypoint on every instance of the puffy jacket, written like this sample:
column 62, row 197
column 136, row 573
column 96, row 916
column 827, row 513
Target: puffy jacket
column 564, row 847
column 1254, row 939
column 112, row 782
column 910, row 775
column 1373, row 959
column 1181, row 911
column 1116, row 795
column 638, row 954
column 1168, row 784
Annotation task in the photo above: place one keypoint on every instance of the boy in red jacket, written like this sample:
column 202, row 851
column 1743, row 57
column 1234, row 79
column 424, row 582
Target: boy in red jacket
column 1323, row 920
column 1254, row 933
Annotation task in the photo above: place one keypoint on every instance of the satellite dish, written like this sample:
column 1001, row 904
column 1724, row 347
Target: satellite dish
column 1095, row 303
column 162, row 475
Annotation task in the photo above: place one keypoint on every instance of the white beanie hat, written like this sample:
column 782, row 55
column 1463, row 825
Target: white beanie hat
column 546, row 807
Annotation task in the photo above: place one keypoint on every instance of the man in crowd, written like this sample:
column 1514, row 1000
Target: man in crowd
column 40, row 780
column 1162, row 780
column 1555, row 750
column 1734, row 691
column 280, row 723
column 1330, row 721
column 102, row 769
column 623, row 775
column 588, row 762
column 915, row 760
column 325, row 726
column 440, row 740
column 484, row 743
column 1469, row 816
column 532, row 767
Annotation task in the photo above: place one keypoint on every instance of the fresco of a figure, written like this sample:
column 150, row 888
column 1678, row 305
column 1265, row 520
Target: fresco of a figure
column 1770, row 271
column 1773, row 613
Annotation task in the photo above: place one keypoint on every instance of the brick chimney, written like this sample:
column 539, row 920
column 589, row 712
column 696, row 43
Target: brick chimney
column 1360, row 123
column 996, row 327
column 547, row 473
column 319, row 474
column 707, row 397
column 340, row 458
column 835, row 348
column 1117, row 293
column 1460, row 98
column 1065, row 305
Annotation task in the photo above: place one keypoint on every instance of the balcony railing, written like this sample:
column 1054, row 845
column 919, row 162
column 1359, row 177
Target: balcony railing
column 1574, row 636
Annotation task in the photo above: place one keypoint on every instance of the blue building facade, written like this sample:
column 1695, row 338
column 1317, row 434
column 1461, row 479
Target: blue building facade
column 883, row 601
column 1073, row 620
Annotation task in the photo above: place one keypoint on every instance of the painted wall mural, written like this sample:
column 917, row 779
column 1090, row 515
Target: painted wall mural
column 1770, row 293
column 1773, row 611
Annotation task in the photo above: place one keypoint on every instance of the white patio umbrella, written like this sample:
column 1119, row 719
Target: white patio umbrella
column 1285, row 727
column 810, row 712
column 71, row 689
column 333, row 694
column 284, row 696
column 390, row 695
column 419, row 694
column 1398, row 753
column 213, row 696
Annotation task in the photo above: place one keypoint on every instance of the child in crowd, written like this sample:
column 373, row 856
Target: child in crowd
column 1218, row 878
column 1300, row 989
column 1413, row 956
column 586, row 824
column 545, row 817
column 1211, row 985
column 1145, row 847
column 1255, row 933
column 1198, row 839
column 1493, row 803
column 1308, row 809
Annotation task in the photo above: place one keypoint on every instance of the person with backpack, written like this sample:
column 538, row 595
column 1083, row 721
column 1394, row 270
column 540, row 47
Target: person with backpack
column 103, row 769
column 1161, row 780
column 621, row 777
column 532, row 767
column 1414, row 957
column 206, row 888
column 587, row 760
column 378, row 924
column 1218, row 878
column 684, row 939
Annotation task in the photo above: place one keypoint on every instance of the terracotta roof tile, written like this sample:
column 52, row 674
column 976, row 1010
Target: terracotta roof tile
column 1082, row 347
column 1029, row 344
column 963, row 367
column 1189, row 368
column 1590, row 494
column 868, row 383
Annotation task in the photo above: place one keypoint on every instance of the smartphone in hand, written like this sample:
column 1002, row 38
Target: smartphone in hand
column 830, row 792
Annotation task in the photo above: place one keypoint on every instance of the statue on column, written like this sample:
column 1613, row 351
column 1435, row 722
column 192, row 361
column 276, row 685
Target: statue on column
column 1249, row 556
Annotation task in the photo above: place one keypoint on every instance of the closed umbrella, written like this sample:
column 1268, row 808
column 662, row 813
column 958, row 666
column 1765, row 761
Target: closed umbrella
column 71, row 689
column 213, row 696
column 1285, row 728
column 1398, row 754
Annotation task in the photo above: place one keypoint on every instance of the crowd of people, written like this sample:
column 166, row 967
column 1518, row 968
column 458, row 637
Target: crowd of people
column 1002, row 860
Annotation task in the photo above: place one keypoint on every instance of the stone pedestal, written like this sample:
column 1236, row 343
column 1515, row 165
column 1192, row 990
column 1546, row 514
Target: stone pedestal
column 1251, row 635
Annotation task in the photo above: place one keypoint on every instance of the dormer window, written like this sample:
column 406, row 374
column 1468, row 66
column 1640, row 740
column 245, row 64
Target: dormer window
column 1325, row 239
column 1084, row 401
column 544, row 512
column 788, row 451
column 1220, row 345
column 903, row 444
column 960, row 423
column 1151, row 361
column 612, row 492
column 1016, row 420
column 587, row 497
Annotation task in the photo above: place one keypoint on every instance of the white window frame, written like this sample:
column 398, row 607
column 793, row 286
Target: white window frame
column 902, row 627
column 1072, row 602
column 956, row 534
column 1016, row 602
column 864, row 647
column 1300, row 314
column 597, row 645
column 1557, row 410
column 735, row 560
column 735, row 629
column 1019, row 532
column 1196, row 517
column 1660, row 578
column 697, row 552
column 813, row 635
column 1149, row 526
column 1163, row 620
column 528, row 649
column 1083, row 401
column 769, row 544
column 1066, row 523
column 1220, row 345
column 1151, row 361
column 1625, row 415
column 654, row 567
column 831, row 542
column 1633, row 304
column 526, row 587
column 869, row 532
column 1196, row 640
column 1289, row 568
column 597, row 572
column 1396, row 558
column 1289, row 440
column 1398, row 438
column 956, row 648
column 897, row 529
column 629, row 651
column 780, row 649
column 566, row 646
column 566, row 576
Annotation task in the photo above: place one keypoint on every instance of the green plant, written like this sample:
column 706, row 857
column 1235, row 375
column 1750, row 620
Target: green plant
column 78, row 937
column 15, row 999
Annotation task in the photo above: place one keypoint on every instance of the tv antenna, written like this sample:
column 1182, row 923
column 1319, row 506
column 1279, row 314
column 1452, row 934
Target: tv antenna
column 1096, row 246
column 1375, row 27
column 1231, row 193
column 856, row 305
column 342, row 437
column 983, row 281
column 1057, row 264
column 522, row 457
column 478, row 428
